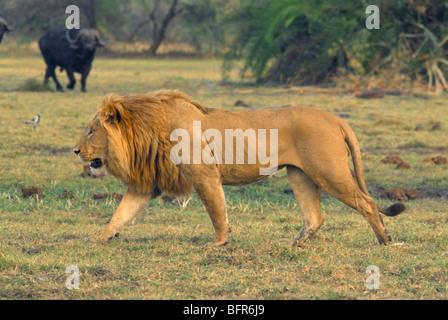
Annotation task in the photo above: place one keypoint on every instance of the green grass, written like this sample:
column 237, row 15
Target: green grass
column 162, row 255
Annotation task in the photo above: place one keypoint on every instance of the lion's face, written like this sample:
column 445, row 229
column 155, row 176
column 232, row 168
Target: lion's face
column 93, row 145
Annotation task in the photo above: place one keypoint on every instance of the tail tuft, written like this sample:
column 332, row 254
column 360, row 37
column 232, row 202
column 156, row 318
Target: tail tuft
column 393, row 210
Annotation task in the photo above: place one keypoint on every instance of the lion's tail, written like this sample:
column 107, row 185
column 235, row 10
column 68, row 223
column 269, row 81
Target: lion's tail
column 355, row 151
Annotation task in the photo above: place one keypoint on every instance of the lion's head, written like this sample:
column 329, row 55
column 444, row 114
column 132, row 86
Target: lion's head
column 93, row 145
column 129, row 138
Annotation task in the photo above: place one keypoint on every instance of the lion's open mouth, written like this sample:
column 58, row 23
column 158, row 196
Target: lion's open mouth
column 96, row 163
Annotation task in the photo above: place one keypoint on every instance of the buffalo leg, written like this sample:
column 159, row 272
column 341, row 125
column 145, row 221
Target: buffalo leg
column 84, row 76
column 47, row 75
column 71, row 77
column 51, row 73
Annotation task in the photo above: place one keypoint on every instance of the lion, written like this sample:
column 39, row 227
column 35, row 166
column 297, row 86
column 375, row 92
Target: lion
column 131, row 137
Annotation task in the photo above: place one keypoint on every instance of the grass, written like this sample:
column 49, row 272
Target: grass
column 162, row 254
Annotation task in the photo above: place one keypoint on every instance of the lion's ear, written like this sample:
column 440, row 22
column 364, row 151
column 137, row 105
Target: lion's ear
column 114, row 118
column 111, row 110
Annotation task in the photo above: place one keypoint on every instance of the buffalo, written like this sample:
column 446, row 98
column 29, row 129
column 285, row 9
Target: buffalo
column 4, row 27
column 72, row 50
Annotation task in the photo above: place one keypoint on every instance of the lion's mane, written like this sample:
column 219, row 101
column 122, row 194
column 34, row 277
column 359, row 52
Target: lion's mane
column 139, row 141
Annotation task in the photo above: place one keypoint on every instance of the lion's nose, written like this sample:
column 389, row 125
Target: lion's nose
column 76, row 151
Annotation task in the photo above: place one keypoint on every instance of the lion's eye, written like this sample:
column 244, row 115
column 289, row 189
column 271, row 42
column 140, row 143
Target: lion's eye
column 90, row 132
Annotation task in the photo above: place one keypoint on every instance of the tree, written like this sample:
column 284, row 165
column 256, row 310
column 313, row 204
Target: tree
column 158, row 20
column 151, row 21
column 199, row 24
column 159, row 33
column 307, row 42
column 91, row 14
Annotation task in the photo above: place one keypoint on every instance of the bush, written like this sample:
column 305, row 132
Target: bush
column 34, row 85
column 308, row 42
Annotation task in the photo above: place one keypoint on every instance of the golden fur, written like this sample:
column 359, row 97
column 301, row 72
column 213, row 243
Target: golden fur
column 139, row 146
column 130, row 138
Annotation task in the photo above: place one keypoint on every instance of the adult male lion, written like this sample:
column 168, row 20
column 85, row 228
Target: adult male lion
column 131, row 137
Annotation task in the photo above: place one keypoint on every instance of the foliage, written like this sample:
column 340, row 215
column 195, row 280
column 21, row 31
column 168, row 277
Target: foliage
column 200, row 23
column 195, row 21
column 306, row 42
column 289, row 41
column 40, row 16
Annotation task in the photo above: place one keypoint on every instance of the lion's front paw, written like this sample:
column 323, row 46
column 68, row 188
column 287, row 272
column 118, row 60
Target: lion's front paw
column 102, row 237
column 217, row 244
column 295, row 243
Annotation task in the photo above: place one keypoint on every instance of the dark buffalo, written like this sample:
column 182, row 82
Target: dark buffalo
column 72, row 50
column 4, row 27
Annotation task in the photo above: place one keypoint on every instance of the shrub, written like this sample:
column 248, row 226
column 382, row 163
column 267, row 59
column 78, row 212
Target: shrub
column 308, row 42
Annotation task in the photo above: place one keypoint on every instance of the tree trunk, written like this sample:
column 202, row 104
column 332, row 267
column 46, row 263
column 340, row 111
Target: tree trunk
column 160, row 35
column 134, row 33
column 91, row 14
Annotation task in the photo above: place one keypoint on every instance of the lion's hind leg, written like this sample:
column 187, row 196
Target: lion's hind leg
column 339, row 182
column 308, row 196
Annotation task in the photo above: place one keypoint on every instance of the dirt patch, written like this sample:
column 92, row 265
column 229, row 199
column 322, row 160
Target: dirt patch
column 401, row 194
column 392, row 160
column 29, row 192
column 419, row 127
column 425, row 193
column 381, row 192
column 403, row 165
column 102, row 196
column 436, row 160
column 434, row 127
column 66, row 195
